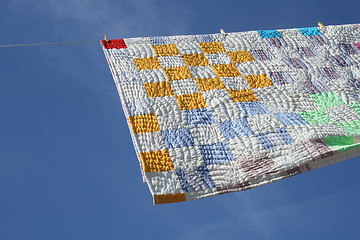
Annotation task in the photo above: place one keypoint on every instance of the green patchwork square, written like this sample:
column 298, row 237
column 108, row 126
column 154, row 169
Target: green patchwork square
column 355, row 107
column 353, row 127
column 327, row 99
column 316, row 117
column 341, row 143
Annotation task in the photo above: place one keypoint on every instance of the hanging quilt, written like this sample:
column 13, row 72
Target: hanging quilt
column 219, row 113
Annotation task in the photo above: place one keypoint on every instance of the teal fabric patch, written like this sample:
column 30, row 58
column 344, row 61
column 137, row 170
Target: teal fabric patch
column 269, row 33
column 310, row 31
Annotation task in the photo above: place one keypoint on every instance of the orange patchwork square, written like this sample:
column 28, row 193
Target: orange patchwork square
column 147, row 63
column 241, row 56
column 191, row 101
column 226, row 70
column 212, row 47
column 258, row 81
column 243, row 95
column 195, row 60
column 157, row 161
column 144, row 123
column 206, row 84
column 166, row 50
column 177, row 73
column 159, row 89
column 169, row 198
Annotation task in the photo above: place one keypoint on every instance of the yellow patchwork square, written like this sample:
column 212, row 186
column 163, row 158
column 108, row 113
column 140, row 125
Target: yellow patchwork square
column 226, row 70
column 169, row 198
column 159, row 89
column 241, row 56
column 166, row 50
column 259, row 81
column 191, row 101
column 243, row 95
column 147, row 63
column 157, row 161
column 144, row 123
column 206, row 84
column 177, row 73
column 212, row 47
column 195, row 60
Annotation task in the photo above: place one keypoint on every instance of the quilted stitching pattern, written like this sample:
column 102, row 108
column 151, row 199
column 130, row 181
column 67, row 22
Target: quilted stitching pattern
column 211, row 114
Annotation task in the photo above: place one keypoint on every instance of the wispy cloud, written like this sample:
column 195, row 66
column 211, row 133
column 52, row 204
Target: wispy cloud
column 121, row 17
column 255, row 218
column 89, row 20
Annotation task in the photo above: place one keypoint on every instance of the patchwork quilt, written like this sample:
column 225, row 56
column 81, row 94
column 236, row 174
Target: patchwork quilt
column 212, row 114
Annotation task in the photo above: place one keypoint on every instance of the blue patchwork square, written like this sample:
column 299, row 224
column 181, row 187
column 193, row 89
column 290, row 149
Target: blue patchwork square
column 285, row 135
column 329, row 73
column 289, row 119
column 269, row 33
column 120, row 54
column 355, row 83
column 281, row 78
column 252, row 108
column 295, row 63
column 318, row 39
column 236, row 128
column 262, row 54
column 195, row 180
column 339, row 61
column 138, row 107
column 160, row 40
column 275, row 42
column 348, row 49
column 273, row 139
column 265, row 142
column 206, row 177
column 127, row 78
column 178, row 138
column 310, row 31
column 182, row 178
column 199, row 116
column 216, row 153
column 206, row 38
column 313, row 87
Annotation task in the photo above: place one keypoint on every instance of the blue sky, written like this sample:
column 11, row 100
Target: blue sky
column 68, row 169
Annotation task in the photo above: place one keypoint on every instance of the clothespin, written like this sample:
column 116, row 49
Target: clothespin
column 106, row 38
column 223, row 32
column 321, row 25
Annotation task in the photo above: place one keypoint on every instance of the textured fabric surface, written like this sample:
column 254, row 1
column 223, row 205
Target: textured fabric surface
column 212, row 114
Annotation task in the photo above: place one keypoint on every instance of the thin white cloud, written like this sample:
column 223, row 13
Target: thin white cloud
column 84, row 20
column 135, row 17
column 248, row 214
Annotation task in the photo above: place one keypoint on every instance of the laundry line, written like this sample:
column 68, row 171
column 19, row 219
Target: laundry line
column 42, row 44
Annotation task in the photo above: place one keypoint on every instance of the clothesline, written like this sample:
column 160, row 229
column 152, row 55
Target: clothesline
column 41, row 44
column 105, row 36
